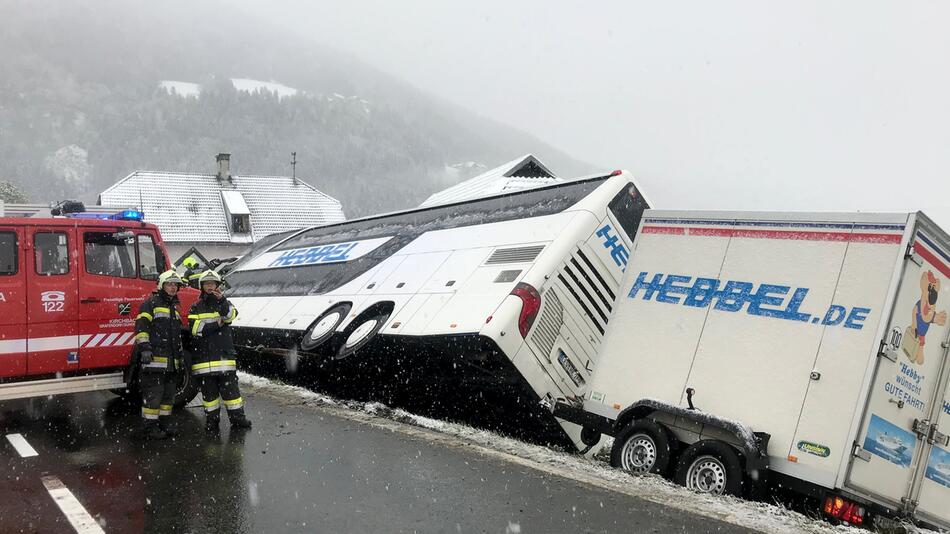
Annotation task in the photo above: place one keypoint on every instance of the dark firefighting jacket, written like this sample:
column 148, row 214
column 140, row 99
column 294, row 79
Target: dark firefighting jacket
column 158, row 329
column 210, row 321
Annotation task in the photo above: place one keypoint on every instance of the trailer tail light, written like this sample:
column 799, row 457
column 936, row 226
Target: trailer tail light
column 617, row 172
column 844, row 510
column 530, row 304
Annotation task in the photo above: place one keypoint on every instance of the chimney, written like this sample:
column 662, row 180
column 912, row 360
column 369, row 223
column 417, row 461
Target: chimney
column 224, row 167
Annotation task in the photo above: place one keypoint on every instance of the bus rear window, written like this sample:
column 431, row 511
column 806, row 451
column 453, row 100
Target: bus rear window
column 627, row 208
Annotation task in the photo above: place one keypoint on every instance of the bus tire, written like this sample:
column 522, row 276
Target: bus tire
column 361, row 332
column 641, row 448
column 710, row 466
column 324, row 326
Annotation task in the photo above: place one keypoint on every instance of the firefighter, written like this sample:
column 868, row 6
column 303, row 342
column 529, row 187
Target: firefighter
column 214, row 362
column 158, row 343
column 191, row 272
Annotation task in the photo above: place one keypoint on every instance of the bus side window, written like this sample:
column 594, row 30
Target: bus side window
column 151, row 258
column 8, row 254
column 52, row 253
column 109, row 254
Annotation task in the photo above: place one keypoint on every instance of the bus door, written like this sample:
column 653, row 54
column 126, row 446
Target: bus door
column 119, row 271
column 12, row 302
column 51, row 272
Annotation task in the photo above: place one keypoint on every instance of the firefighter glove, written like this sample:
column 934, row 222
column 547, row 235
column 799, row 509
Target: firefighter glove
column 146, row 356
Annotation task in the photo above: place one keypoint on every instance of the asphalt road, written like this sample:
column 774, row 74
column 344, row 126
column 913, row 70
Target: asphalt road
column 300, row 469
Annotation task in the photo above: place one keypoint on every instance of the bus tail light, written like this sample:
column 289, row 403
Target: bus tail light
column 530, row 304
column 844, row 510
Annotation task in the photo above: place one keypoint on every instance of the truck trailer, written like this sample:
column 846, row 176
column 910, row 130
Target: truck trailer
column 806, row 351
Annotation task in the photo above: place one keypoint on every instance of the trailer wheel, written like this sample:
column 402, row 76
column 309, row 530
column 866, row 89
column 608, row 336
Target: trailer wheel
column 323, row 328
column 643, row 447
column 710, row 466
column 358, row 335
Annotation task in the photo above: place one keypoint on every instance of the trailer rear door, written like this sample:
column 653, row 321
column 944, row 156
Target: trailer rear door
column 892, row 452
column 932, row 489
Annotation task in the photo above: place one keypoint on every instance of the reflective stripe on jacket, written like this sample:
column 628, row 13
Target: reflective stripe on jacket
column 158, row 329
column 210, row 320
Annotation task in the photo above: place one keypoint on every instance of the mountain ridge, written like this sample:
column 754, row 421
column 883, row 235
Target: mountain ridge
column 81, row 106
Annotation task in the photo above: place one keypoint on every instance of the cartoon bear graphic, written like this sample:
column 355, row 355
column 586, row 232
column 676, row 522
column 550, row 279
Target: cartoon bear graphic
column 924, row 314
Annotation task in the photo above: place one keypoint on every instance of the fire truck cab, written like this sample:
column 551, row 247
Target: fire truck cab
column 70, row 289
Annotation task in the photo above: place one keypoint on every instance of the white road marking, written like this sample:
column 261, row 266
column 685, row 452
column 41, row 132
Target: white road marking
column 77, row 516
column 20, row 444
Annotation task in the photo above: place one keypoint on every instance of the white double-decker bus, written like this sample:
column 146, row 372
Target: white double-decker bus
column 508, row 294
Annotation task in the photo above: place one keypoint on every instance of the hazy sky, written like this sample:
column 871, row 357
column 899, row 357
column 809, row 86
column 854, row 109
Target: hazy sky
column 749, row 105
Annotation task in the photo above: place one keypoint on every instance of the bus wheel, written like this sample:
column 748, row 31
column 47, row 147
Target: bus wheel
column 186, row 388
column 358, row 335
column 643, row 447
column 323, row 328
column 710, row 466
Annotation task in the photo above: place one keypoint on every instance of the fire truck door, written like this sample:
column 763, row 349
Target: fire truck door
column 12, row 302
column 52, row 330
column 111, row 292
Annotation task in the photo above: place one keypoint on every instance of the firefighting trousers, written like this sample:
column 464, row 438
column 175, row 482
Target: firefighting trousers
column 158, row 394
column 219, row 389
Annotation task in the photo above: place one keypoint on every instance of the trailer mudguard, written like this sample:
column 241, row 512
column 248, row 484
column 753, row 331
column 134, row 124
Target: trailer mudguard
column 752, row 445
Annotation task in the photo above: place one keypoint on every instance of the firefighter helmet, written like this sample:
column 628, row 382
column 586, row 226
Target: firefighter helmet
column 209, row 276
column 190, row 263
column 169, row 277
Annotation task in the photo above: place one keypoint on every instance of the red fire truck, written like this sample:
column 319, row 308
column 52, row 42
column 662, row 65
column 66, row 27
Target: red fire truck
column 70, row 288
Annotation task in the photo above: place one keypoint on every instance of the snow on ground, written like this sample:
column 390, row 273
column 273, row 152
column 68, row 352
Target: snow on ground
column 181, row 88
column 593, row 471
column 250, row 85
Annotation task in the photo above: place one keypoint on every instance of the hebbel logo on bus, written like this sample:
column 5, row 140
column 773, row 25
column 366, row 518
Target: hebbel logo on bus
column 612, row 243
column 765, row 300
column 312, row 255
column 315, row 255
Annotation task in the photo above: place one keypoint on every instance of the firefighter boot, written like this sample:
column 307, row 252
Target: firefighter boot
column 152, row 431
column 238, row 419
column 213, row 422
column 166, row 428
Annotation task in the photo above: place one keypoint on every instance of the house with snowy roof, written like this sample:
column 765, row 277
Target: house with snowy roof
column 220, row 215
column 525, row 172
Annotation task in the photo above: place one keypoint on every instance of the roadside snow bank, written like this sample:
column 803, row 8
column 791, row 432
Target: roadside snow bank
column 595, row 472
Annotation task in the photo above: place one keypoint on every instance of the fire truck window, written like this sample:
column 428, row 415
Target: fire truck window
column 52, row 253
column 8, row 253
column 109, row 254
column 151, row 259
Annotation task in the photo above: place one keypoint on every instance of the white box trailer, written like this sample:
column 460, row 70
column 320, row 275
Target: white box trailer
column 811, row 347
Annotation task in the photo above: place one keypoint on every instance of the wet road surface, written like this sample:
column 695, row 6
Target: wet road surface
column 300, row 469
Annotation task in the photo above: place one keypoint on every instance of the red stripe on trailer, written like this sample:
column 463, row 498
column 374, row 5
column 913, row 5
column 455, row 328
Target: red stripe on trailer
column 921, row 248
column 803, row 235
column 663, row 230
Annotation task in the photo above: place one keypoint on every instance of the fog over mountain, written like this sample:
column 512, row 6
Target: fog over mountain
column 90, row 92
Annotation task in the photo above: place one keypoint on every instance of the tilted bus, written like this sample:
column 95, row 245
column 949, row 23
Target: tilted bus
column 451, row 296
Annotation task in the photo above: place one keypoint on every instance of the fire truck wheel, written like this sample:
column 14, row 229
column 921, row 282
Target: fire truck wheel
column 323, row 328
column 187, row 388
column 710, row 466
column 361, row 333
column 643, row 447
